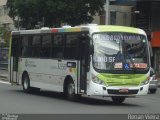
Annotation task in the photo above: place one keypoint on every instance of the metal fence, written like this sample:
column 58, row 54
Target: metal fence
column 4, row 57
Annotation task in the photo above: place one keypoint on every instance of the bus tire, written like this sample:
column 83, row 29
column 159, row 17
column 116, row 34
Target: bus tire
column 118, row 100
column 70, row 91
column 152, row 91
column 26, row 84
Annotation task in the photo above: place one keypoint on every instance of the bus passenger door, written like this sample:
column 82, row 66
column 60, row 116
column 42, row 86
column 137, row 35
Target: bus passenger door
column 84, row 63
column 14, row 60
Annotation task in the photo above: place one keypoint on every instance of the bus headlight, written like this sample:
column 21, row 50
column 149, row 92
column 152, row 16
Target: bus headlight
column 145, row 81
column 97, row 80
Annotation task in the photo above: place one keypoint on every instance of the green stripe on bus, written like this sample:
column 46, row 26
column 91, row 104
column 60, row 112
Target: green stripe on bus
column 122, row 79
column 117, row 29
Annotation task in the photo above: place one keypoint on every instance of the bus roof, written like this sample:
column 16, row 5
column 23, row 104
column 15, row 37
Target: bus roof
column 113, row 28
column 84, row 28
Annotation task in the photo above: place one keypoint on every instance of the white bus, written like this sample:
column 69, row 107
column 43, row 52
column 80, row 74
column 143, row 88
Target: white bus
column 97, row 60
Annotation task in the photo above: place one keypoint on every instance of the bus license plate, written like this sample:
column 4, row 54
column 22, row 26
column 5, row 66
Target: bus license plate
column 123, row 90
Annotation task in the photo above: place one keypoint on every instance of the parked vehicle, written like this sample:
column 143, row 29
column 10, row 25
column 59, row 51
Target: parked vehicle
column 153, row 83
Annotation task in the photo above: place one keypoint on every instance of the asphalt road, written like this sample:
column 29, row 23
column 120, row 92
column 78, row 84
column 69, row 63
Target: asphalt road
column 13, row 100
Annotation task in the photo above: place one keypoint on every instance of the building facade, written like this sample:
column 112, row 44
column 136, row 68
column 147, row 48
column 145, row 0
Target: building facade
column 5, row 20
column 118, row 15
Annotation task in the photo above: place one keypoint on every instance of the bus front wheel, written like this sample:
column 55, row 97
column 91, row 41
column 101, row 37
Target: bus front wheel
column 26, row 84
column 118, row 99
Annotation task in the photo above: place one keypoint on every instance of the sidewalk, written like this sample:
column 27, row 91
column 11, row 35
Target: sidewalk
column 3, row 75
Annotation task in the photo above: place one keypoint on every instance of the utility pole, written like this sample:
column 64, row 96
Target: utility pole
column 107, row 12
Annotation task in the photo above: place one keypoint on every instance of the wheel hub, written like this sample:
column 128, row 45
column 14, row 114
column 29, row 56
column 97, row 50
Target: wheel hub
column 25, row 84
column 71, row 89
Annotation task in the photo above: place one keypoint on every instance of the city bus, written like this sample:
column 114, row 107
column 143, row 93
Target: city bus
column 92, row 60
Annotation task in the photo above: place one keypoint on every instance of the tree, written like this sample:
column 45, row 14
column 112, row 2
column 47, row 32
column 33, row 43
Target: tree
column 28, row 13
column 4, row 36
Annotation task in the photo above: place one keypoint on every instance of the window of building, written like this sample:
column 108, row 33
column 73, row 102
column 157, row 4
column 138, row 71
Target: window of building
column 102, row 18
column 113, row 18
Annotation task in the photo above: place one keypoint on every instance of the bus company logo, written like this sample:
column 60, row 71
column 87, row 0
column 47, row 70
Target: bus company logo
column 62, row 66
column 30, row 63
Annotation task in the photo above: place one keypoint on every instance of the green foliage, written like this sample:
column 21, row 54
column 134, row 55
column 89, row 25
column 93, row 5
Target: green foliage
column 5, row 36
column 27, row 13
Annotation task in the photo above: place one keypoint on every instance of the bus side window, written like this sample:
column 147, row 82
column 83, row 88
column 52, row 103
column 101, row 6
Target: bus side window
column 58, row 45
column 14, row 42
column 46, row 46
column 71, row 46
column 36, row 45
column 26, row 47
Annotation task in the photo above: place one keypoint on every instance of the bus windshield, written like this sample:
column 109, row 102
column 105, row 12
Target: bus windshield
column 120, row 51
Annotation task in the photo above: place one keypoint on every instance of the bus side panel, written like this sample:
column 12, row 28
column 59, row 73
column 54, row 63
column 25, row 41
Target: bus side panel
column 43, row 73
column 50, row 74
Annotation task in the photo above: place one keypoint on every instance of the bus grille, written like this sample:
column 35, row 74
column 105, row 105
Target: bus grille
column 122, row 93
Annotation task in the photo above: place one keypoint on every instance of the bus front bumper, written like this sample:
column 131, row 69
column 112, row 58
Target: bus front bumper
column 106, row 91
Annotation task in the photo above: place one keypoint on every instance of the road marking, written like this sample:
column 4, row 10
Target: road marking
column 3, row 82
